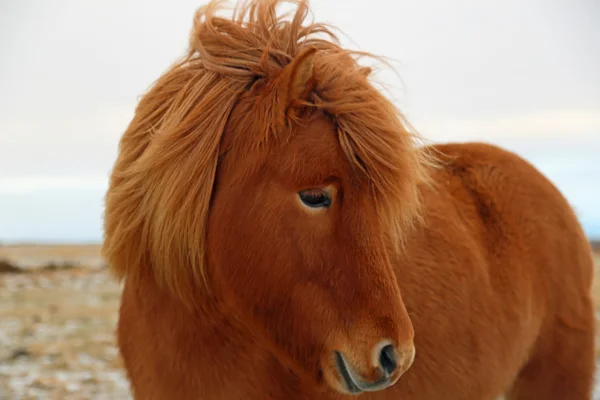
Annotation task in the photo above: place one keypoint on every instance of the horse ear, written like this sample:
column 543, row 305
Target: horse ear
column 300, row 76
column 365, row 71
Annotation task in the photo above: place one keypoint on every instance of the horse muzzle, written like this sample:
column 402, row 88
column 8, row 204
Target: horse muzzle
column 391, row 365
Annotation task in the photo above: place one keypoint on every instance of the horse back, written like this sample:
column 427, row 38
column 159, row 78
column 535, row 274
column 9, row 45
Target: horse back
column 517, row 212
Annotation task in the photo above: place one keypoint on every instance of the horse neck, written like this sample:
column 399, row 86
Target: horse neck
column 205, row 330
column 205, row 341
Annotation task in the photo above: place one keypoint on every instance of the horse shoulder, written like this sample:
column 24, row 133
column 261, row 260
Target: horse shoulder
column 482, row 277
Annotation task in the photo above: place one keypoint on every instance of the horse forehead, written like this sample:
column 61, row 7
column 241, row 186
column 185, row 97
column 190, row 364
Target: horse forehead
column 312, row 154
column 316, row 139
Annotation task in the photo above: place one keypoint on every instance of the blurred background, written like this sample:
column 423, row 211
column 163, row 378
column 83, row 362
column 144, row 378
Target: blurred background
column 520, row 74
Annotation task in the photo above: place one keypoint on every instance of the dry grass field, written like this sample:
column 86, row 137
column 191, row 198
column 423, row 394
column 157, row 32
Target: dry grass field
column 57, row 321
column 58, row 312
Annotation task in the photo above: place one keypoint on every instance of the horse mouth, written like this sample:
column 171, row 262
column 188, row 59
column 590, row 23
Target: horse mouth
column 353, row 383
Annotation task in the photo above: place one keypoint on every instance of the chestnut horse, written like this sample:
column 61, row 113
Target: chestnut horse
column 282, row 234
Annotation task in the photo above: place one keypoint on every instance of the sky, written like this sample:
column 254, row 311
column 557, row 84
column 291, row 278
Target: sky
column 522, row 75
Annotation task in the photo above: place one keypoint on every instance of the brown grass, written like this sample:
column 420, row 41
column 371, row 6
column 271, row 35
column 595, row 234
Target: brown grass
column 596, row 294
column 49, row 251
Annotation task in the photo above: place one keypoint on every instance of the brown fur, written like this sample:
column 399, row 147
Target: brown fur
column 234, row 290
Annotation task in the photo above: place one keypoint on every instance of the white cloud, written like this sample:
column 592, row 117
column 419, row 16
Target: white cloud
column 469, row 70
column 544, row 124
column 61, row 143
column 32, row 184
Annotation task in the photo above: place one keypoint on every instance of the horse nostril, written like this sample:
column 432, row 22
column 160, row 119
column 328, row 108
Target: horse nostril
column 387, row 359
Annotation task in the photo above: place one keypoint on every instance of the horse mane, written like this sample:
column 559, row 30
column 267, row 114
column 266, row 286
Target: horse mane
column 160, row 189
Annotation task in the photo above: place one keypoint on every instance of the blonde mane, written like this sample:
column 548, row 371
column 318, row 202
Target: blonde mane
column 160, row 189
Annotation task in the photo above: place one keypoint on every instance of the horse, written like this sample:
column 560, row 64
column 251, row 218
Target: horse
column 282, row 232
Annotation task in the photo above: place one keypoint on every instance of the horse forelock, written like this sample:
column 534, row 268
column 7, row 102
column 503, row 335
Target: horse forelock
column 159, row 197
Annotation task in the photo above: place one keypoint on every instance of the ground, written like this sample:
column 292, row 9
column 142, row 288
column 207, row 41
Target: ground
column 58, row 312
column 57, row 326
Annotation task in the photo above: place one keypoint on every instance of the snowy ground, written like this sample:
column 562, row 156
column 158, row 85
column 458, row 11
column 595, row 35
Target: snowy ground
column 57, row 327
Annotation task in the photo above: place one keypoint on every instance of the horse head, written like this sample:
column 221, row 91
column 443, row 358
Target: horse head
column 266, row 174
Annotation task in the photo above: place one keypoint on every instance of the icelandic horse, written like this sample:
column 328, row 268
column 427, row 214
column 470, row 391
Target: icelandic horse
column 282, row 234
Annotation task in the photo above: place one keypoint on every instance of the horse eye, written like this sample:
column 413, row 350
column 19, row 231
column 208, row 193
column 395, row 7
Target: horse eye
column 315, row 198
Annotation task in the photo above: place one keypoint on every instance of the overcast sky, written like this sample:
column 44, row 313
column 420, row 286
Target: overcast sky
column 522, row 74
